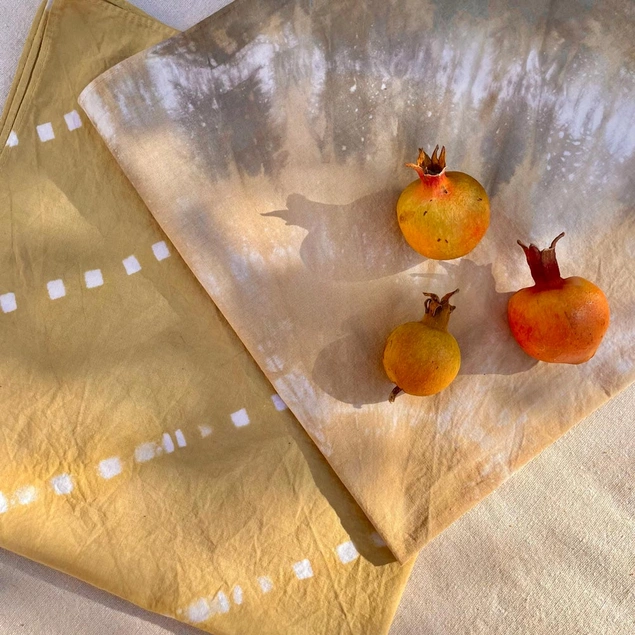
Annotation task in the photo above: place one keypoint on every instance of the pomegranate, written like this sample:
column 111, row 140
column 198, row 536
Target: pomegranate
column 443, row 215
column 557, row 320
column 422, row 358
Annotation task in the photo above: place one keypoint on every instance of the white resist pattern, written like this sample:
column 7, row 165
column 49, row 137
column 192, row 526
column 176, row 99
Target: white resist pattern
column 201, row 609
column 62, row 484
column 265, row 584
column 303, row 569
column 12, row 140
column 109, row 468
column 161, row 251
column 278, row 403
column 73, row 120
column 45, row 131
column 56, row 289
column 93, row 278
column 8, row 303
column 131, row 265
column 240, row 418
column 346, row 552
column 205, row 431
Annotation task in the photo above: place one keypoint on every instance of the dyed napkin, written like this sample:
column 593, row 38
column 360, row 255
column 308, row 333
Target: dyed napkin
column 269, row 144
column 142, row 449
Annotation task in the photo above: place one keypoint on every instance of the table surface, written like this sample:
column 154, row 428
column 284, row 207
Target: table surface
column 532, row 558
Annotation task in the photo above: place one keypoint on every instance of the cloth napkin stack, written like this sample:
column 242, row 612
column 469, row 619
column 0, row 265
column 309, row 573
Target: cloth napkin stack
column 150, row 442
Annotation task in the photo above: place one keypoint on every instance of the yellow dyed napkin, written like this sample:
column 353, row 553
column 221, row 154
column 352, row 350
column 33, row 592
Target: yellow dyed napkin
column 269, row 144
column 142, row 449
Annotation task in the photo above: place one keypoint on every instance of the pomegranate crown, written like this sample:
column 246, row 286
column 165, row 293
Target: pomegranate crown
column 429, row 166
column 542, row 262
column 434, row 304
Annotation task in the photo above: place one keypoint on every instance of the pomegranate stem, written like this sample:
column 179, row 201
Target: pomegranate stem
column 395, row 391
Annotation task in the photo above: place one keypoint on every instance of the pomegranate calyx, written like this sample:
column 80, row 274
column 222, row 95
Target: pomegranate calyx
column 543, row 263
column 427, row 166
column 438, row 309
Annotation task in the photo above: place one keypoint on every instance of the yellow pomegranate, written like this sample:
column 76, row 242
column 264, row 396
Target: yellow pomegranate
column 443, row 215
column 422, row 358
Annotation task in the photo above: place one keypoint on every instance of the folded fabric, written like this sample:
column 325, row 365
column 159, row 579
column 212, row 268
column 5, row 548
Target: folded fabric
column 269, row 144
column 142, row 449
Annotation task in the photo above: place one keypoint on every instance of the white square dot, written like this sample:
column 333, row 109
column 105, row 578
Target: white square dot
column 62, row 484
column 303, row 569
column 73, row 120
column 346, row 552
column 278, row 403
column 265, row 584
column 45, row 132
column 220, row 604
column 147, row 451
column 12, row 139
column 4, row 504
column 93, row 278
column 168, row 444
column 131, row 265
column 161, row 251
column 108, row 468
column 199, row 611
column 8, row 303
column 25, row 495
column 240, row 418
column 205, row 431
column 180, row 438
column 56, row 289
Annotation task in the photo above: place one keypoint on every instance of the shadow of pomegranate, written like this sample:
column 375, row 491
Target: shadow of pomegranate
column 479, row 323
column 353, row 242
column 350, row 369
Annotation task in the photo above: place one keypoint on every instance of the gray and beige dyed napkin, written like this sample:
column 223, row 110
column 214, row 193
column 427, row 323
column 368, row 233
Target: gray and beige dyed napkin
column 268, row 142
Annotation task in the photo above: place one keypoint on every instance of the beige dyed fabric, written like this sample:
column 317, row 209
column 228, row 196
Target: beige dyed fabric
column 142, row 449
column 269, row 142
